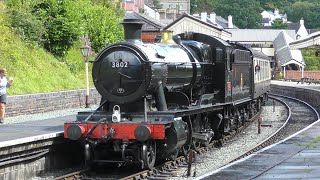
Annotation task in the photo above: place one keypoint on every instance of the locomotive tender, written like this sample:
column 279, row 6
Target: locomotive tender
column 161, row 99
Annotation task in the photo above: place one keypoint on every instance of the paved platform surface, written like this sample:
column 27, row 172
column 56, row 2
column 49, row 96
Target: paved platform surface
column 297, row 157
column 12, row 134
column 296, row 84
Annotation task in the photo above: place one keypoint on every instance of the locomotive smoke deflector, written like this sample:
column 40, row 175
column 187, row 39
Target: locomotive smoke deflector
column 132, row 30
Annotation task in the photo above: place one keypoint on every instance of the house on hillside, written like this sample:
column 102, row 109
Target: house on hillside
column 268, row 17
column 133, row 5
column 152, row 13
column 300, row 29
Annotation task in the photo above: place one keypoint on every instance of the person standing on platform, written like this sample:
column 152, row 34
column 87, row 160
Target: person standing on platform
column 4, row 83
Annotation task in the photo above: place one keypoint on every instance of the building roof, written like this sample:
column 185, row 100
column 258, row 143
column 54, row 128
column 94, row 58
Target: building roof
column 294, row 26
column 184, row 15
column 284, row 54
column 257, row 35
column 220, row 22
column 149, row 23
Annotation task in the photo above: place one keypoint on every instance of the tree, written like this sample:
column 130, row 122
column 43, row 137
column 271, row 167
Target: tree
column 156, row 4
column 198, row 6
column 58, row 24
column 61, row 30
column 246, row 13
column 102, row 26
column 309, row 11
column 278, row 24
column 312, row 61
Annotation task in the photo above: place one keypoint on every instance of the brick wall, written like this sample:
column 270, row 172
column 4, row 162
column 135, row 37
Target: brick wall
column 44, row 102
column 148, row 37
column 297, row 74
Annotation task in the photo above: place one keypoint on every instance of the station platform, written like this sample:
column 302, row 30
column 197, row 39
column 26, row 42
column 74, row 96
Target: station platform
column 296, row 157
column 29, row 131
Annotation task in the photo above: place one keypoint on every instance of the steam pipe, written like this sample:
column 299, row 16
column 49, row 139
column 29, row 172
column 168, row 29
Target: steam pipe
column 161, row 99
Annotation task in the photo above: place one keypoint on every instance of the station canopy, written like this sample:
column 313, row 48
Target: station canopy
column 284, row 54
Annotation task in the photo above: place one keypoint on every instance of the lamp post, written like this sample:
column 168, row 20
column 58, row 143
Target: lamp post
column 85, row 53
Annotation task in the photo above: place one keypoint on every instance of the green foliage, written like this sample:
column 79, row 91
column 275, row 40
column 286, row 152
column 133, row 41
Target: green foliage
column 103, row 27
column 60, row 24
column 246, row 13
column 309, row 11
column 33, row 69
column 297, row 9
column 61, row 31
column 312, row 61
column 27, row 26
column 156, row 4
column 198, row 6
column 278, row 24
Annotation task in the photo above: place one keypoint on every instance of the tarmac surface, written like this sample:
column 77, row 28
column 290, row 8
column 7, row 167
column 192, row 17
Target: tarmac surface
column 28, row 131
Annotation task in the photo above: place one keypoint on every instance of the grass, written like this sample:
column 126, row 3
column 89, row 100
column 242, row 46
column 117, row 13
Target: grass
column 33, row 69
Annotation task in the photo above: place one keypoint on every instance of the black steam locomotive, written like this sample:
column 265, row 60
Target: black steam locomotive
column 163, row 98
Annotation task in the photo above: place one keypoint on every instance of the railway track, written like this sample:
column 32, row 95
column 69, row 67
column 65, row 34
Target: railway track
column 298, row 115
column 169, row 168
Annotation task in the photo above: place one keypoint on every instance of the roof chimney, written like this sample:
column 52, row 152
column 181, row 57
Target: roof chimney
column 132, row 30
column 276, row 12
column 213, row 18
column 230, row 24
column 301, row 21
column 204, row 16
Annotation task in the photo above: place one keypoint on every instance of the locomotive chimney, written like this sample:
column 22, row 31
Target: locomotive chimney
column 132, row 30
column 166, row 37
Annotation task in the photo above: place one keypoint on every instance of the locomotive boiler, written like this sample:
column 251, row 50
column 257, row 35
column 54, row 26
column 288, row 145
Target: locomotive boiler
column 161, row 99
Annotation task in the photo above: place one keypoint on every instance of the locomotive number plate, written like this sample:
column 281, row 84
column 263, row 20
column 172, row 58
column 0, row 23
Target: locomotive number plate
column 119, row 64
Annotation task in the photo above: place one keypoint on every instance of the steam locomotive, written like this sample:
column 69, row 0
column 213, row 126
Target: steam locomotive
column 161, row 99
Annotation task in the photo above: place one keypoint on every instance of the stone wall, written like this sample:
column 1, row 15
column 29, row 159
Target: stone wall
column 310, row 96
column 44, row 102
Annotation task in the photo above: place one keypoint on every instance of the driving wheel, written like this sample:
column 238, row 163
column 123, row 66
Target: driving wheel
column 148, row 154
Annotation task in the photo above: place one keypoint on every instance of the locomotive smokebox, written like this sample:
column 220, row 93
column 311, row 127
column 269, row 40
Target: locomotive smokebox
column 132, row 30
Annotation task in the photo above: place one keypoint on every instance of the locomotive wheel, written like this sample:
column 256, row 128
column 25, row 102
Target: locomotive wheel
column 148, row 154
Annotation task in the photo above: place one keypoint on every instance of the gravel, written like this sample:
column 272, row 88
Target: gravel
column 248, row 139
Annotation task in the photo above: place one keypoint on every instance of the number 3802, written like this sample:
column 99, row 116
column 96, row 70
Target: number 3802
column 119, row 64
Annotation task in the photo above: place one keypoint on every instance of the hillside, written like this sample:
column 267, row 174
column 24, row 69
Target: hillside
column 33, row 68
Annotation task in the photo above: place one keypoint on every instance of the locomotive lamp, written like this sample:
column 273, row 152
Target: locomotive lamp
column 85, row 53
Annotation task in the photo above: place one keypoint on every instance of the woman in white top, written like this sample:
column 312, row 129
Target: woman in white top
column 4, row 83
